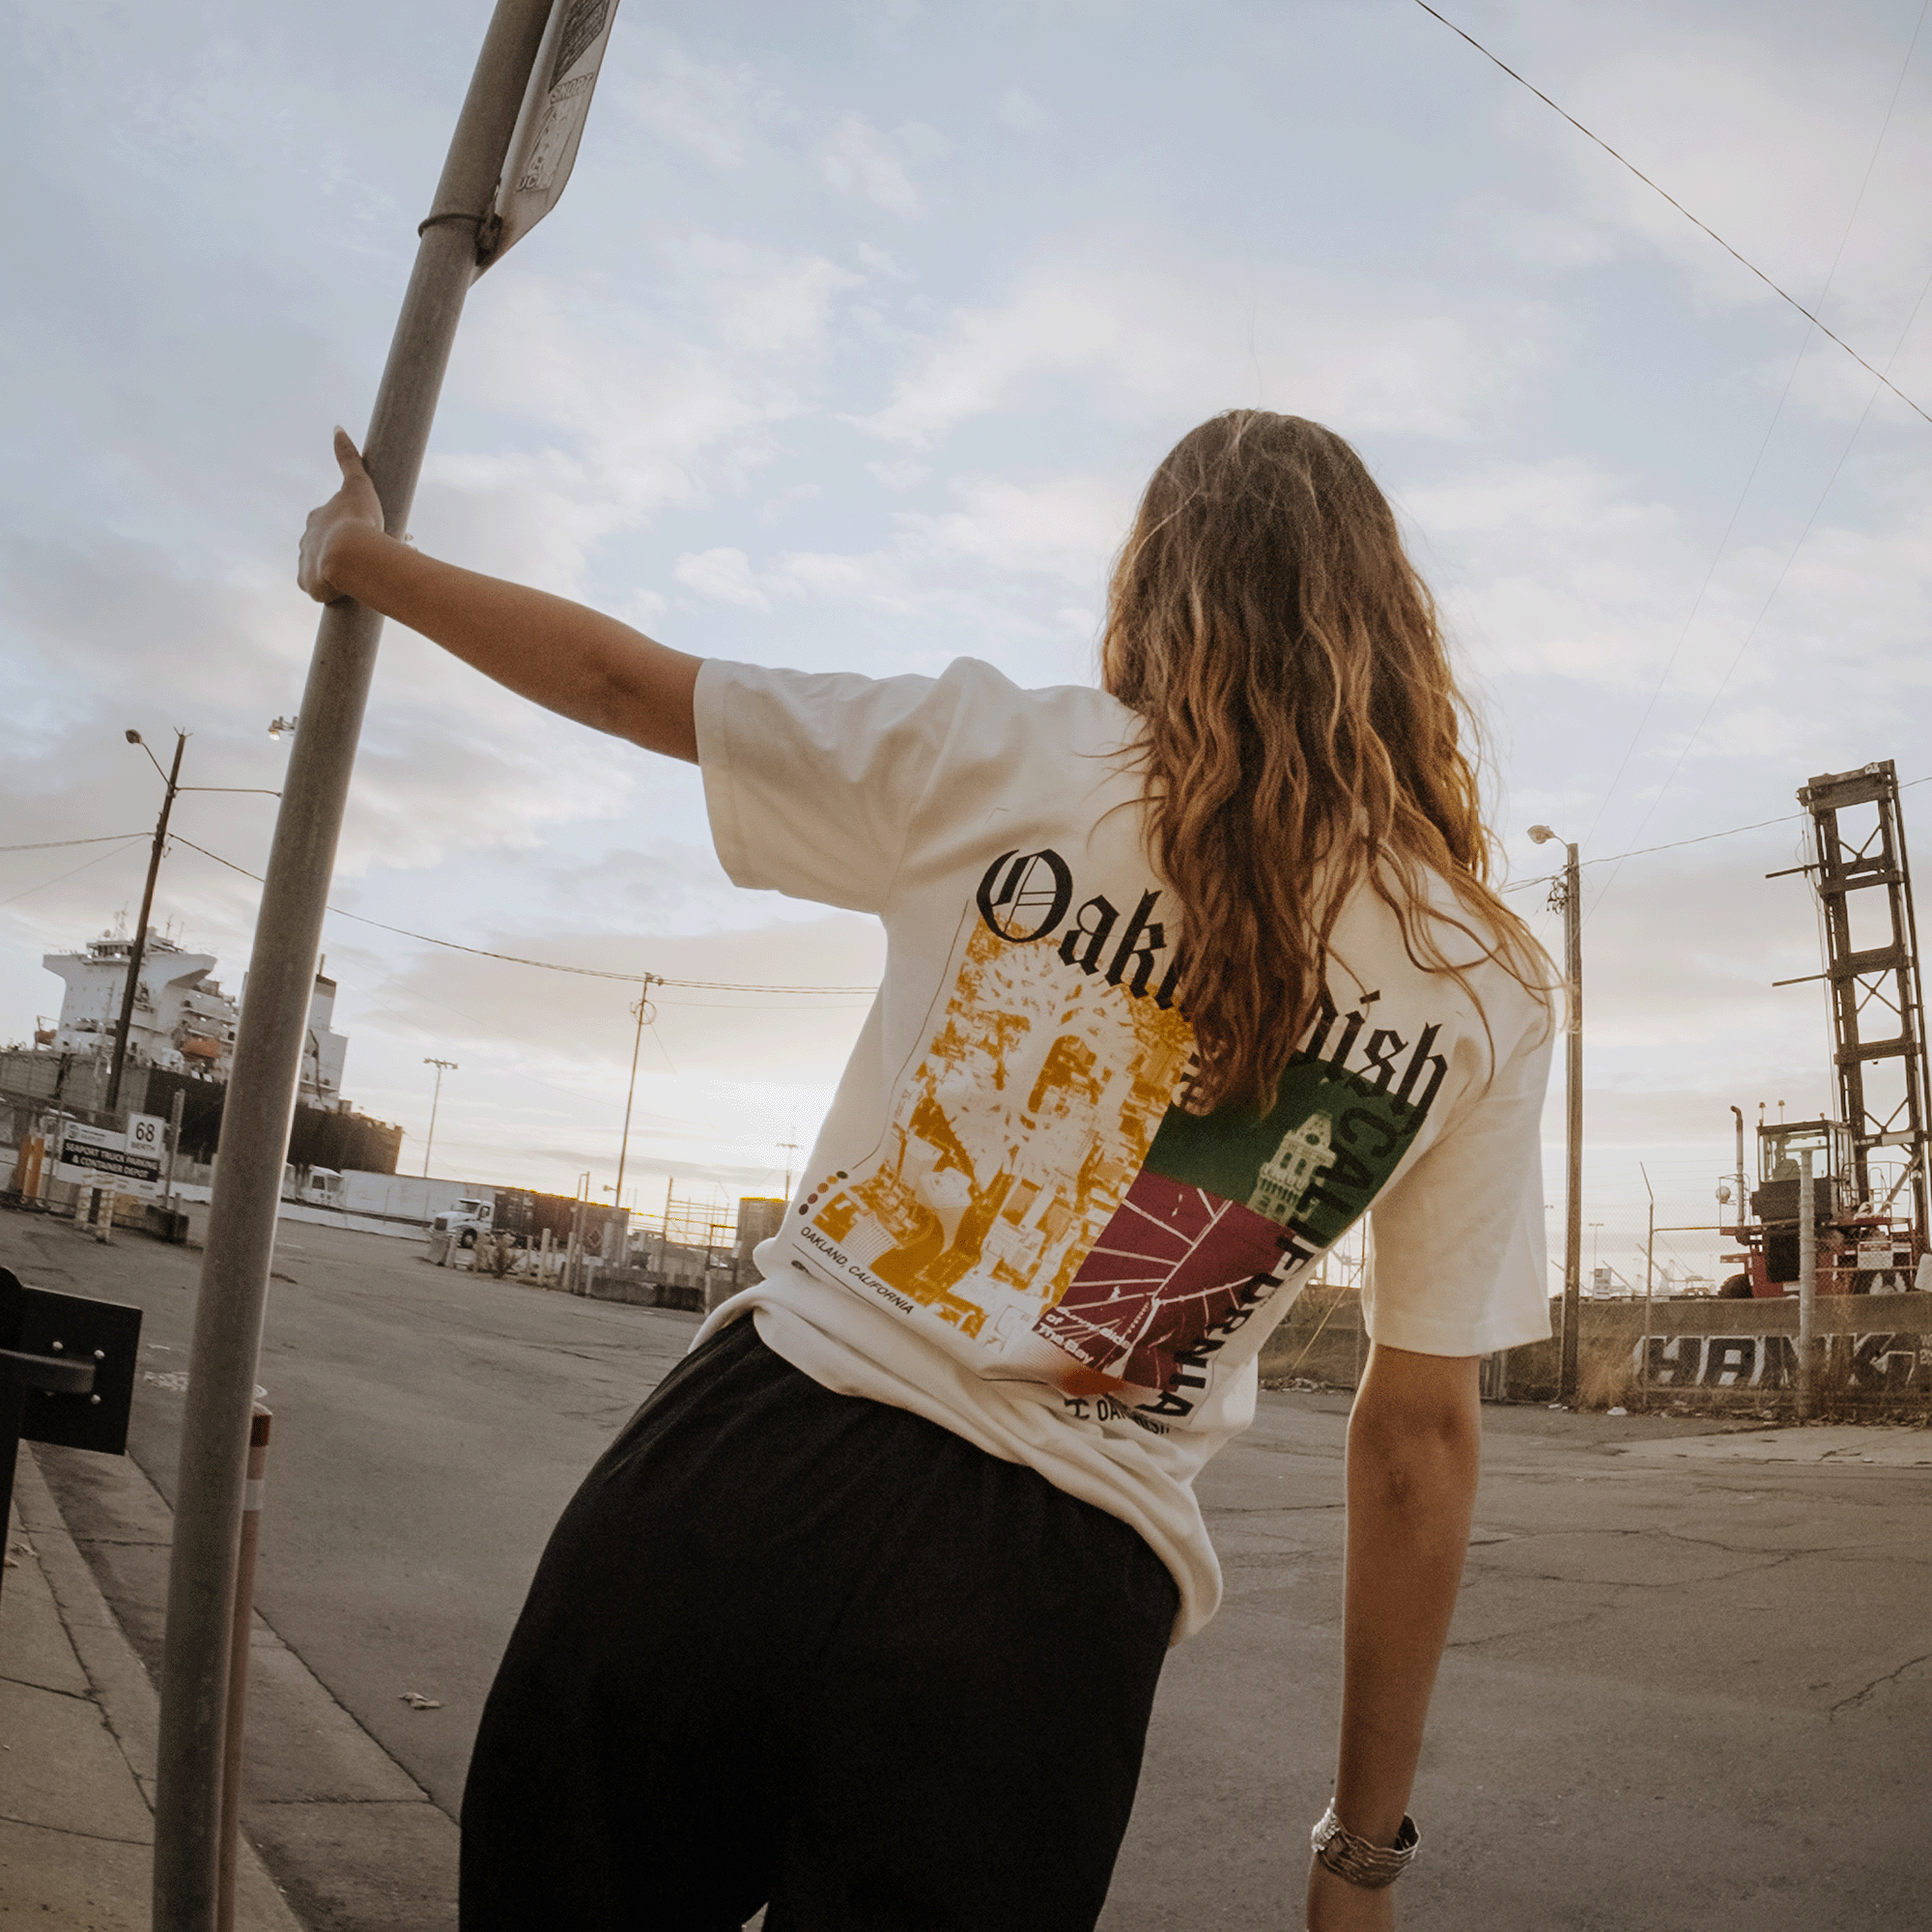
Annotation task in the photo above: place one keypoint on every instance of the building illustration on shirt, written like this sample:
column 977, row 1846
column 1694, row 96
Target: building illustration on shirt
column 1038, row 1183
column 1304, row 1151
column 1013, row 1140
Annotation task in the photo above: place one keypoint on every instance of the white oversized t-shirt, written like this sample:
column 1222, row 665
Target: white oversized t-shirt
column 1008, row 1224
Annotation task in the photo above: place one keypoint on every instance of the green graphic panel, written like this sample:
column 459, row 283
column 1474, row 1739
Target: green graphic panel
column 1314, row 1161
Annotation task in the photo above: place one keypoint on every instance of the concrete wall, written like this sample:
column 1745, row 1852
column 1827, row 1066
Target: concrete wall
column 1876, row 1349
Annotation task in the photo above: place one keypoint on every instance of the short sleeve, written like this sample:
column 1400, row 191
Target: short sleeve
column 1458, row 1264
column 811, row 779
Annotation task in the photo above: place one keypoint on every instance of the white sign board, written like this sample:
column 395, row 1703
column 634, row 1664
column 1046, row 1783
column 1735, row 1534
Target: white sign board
column 543, row 148
column 129, row 1163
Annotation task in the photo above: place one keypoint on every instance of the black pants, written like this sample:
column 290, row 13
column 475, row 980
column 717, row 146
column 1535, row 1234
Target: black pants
column 796, row 1647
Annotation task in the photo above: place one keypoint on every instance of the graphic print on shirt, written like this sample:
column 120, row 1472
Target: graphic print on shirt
column 1040, row 1193
column 1013, row 1140
column 1224, row 1207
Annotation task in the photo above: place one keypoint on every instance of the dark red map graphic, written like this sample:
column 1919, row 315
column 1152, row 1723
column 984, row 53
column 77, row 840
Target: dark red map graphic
column 1170, row 1265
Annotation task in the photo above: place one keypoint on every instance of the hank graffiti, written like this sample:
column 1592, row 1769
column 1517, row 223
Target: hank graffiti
column 1880, row 1363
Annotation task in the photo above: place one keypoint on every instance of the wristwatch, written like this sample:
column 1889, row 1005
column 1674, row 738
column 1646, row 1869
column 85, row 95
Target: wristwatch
column 1356, row 1859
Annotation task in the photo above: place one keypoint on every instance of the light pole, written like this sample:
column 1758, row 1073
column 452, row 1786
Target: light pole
column 441, row 1066
column 171, row 778
column 1567, row 893
column 645, row 1014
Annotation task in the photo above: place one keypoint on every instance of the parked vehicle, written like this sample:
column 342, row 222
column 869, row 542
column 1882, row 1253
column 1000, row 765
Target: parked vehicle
column 466, row 1220
column 1863, row 1247
column 516, row 1211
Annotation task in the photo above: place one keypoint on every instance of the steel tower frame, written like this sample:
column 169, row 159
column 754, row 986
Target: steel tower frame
column 1878, row 986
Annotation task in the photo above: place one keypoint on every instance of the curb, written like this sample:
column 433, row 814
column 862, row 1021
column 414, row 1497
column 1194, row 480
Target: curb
column 118, row 1684
column 350, row 1839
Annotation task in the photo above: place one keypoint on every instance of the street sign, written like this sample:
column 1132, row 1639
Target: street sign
column 148, row 1139
column 550, row 124
column 98, row 1157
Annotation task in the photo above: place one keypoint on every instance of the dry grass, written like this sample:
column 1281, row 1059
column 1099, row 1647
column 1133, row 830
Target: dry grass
column 1604, row 1380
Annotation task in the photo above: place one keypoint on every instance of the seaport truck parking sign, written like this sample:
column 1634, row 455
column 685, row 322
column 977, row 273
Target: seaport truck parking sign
column 95, row 1156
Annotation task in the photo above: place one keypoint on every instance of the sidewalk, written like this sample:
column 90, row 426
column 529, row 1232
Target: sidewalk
column 77, row 1733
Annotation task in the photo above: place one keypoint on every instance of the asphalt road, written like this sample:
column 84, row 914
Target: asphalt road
column 1688, row 1687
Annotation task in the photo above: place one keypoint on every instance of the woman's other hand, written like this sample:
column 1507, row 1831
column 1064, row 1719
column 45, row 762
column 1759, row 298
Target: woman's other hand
column 353, row 509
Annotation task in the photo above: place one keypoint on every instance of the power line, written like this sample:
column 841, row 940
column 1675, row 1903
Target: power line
column 1679, row 207
column 545, row 965
column 1700, row 838
column 129, row 839
column 1784, row 572
column 1771, row 430
column 1644, row 851
column 53, row 844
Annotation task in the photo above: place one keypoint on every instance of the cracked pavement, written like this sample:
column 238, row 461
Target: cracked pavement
column 1689, row 1686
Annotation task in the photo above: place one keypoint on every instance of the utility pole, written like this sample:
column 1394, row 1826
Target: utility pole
column 1568, row 894
column 1743, row 1201
column 1649, row 1257
column 172, row 779
column 434, row 1100
column 1807, row 1287
column 464, row 220
column 646, row 1013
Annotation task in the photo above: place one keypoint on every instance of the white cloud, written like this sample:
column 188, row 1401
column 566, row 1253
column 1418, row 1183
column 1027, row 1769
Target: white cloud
column 1148, row 343
column 1562, row 568
column 1062, row 527
column 724, row 573
column 716, row 109
column 881, row 262
column 900, row 472
column 766, row 304
column 877, row 577
column 1757, row 133
column 1021, row 111
column 865, row 162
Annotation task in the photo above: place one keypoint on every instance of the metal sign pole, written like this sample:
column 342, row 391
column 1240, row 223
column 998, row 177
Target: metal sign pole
column 281, row 974
column 1572, row 1103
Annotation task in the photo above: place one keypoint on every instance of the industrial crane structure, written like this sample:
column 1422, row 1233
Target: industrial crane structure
column 1868, row 1164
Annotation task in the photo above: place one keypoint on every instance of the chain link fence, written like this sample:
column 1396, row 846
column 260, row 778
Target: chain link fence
column 1619, row 1260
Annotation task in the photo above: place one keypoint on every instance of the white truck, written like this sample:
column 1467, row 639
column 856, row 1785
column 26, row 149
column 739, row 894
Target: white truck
column 466, row 1220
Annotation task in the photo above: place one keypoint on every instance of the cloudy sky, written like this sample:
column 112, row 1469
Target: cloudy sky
column 850, row 345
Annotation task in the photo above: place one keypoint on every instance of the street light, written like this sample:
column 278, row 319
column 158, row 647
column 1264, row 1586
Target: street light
column 441, row 1066
column 646, row 1013
column 1567, row 895
column 171, row 778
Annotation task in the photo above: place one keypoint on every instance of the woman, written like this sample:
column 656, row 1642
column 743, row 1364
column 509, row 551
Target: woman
column 862, row 1615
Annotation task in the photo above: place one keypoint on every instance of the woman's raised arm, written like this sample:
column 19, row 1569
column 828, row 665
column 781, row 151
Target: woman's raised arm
column 564, row 656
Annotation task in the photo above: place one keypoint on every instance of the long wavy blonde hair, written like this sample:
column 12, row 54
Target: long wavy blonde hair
column 1303, row 733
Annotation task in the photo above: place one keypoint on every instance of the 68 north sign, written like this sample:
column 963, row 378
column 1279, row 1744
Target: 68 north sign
column 131, row 1162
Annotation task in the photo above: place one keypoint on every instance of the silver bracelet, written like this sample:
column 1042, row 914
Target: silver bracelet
column 1359, row 1861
